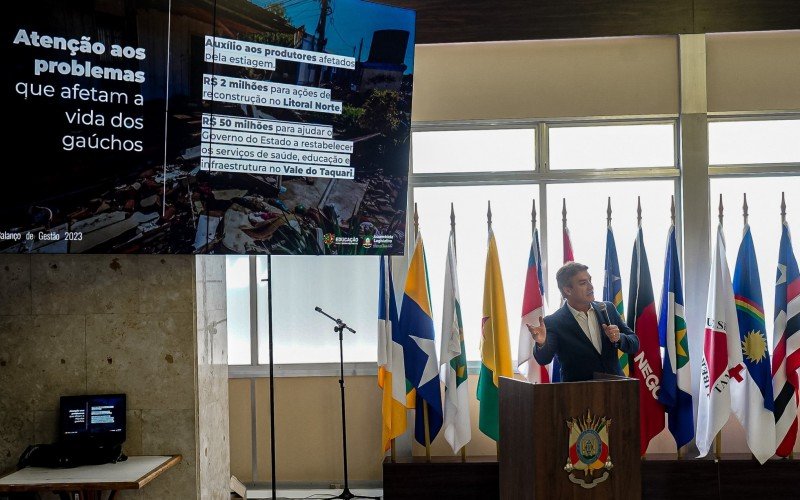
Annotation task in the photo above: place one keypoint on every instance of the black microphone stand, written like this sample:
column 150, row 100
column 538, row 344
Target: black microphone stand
column 339, row 328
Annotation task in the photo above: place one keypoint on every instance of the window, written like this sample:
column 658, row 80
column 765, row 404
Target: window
column 344, row 287
column 237, row 279
column 497, row 165
column 586, row 219
column 753, row 142
column 612, row 146
column 590, row 146
column 474, row 150
column 764, row 200
column 511, row 222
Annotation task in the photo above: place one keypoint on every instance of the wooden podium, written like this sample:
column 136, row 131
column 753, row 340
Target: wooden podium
column 535, row 439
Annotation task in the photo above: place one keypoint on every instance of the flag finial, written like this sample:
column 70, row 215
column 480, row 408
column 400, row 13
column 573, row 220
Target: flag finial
column 672, row 210
column 564, row 212
column 533, row 217
column 720, row 209
column 744, row 209
column 783, row 208
column 639, row 211
column 608, row 212
column 453, row 224
column 416, row 221
column 489, row 215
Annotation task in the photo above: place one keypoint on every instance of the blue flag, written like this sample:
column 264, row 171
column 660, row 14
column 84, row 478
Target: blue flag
column 612, row 290
column 751, row 391
column 421, row 365
column 676, row 379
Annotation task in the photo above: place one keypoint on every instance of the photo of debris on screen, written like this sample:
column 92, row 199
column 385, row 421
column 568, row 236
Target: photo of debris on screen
column 164, row 201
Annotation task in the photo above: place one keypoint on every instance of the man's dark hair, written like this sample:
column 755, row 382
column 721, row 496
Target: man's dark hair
column 565, row 274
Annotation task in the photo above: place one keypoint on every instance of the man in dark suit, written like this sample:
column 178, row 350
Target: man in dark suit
column 579, row 333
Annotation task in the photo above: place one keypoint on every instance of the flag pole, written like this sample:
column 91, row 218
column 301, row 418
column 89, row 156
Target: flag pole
column 489, row 227
column 608, row 213
column 744, row 210
column 563, row 214
column 639, row 226
column 453, row 228
column 424, row 403
column 672, row 210
column 783, row 221
column 639, row 211
column 718, row 439
column 455, row 254
column 744, row 230
column 783, row 207
column 393, row 450
column 672, row 221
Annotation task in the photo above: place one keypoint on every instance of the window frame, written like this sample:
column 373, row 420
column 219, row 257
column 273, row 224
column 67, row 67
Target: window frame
column 543, row 176
column 540, row 175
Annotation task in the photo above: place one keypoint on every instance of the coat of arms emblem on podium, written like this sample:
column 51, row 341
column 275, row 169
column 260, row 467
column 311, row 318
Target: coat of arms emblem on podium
column 589, row 460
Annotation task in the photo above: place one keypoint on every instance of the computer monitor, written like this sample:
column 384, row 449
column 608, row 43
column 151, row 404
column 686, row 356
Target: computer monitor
column 97, row 418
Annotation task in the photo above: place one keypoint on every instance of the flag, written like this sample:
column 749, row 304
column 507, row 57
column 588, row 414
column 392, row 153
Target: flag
column 391, row 367
column 416, row 325
column 612, row 290
column 532, row 310
column 722, row 354
column 568, row 257
column 676, row 381
column 646, row 365
column 566, row 246
column 495, row 344
column 454, row 357
column 786, row 354
column 751, row 393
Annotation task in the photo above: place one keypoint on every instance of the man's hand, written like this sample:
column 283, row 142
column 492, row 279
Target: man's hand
column 539, row 333
column 612, row 332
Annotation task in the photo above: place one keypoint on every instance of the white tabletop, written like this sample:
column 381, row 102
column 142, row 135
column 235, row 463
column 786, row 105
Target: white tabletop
column 130, row 471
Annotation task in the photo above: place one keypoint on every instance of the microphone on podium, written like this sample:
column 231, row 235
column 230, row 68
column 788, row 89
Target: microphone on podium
column 602, row 306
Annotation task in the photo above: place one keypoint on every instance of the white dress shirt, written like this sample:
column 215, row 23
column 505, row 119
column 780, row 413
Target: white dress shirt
column 590, row 326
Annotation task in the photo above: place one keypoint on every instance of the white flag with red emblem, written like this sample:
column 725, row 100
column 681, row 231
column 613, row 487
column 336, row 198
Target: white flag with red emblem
column 722, row 354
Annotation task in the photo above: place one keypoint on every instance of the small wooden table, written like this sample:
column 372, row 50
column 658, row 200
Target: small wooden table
column 89, row 481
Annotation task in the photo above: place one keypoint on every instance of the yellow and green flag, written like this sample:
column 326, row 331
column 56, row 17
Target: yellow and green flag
column 495, row 344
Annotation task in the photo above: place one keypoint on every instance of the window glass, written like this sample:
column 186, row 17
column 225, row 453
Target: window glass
column 488, row 150
column 753, row 142
column 346, row 287
column 764, row 201
column 237, row 280
column 511, row 221
column 586, row 220
column 612, row 146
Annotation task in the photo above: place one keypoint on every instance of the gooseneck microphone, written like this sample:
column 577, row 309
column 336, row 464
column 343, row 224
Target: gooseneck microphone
column 602, row 306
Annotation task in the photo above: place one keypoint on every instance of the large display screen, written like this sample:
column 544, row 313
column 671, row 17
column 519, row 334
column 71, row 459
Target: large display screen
column 201, row 126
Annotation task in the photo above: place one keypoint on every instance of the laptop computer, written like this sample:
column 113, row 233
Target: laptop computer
column 98, row 419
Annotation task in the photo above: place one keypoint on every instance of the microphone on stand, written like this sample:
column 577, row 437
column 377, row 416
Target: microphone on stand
column 602, row 306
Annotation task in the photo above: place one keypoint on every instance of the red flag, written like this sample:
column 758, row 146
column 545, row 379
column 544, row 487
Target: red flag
column 646, row 365
column 568, row 256
column 532, row 310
